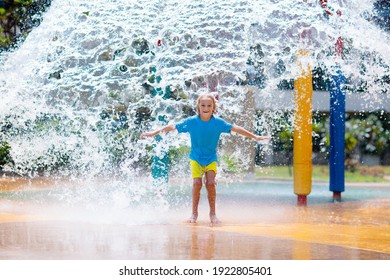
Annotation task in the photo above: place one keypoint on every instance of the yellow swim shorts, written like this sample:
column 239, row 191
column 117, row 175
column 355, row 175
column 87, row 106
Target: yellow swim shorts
column 198, row 170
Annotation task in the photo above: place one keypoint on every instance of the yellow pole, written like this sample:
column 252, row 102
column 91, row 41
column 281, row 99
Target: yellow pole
column 303, row 95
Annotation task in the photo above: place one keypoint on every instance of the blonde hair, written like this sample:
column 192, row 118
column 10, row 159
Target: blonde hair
column 206, row 95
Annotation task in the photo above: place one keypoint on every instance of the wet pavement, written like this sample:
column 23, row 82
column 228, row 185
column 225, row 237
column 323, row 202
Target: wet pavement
column 354, row 229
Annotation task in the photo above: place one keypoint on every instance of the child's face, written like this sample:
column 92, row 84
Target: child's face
column 206, row 107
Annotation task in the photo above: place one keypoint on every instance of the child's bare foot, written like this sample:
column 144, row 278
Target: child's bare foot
column 192, row 219
column 214, row 220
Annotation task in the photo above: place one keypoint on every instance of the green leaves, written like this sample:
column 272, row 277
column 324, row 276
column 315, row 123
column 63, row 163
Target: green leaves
column 5, row 154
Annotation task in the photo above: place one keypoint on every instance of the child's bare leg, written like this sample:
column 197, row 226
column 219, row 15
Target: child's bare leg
column 211, row 195
column 196, row 187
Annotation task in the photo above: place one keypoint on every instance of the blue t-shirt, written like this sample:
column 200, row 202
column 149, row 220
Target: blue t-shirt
column 204, row 137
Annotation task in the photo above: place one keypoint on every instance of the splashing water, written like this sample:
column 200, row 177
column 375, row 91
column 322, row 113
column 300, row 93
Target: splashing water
column 95, row 74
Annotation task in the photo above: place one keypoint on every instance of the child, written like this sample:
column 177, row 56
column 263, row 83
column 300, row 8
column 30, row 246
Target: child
column 205, row 130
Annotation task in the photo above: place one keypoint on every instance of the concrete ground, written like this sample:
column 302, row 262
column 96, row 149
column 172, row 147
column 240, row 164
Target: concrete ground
column 357, row 229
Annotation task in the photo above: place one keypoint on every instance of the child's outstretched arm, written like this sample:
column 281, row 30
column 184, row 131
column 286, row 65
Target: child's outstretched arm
column 167, row 128
column 246, row 133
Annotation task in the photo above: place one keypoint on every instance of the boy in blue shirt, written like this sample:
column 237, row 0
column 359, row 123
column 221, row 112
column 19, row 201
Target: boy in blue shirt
column 205, row 130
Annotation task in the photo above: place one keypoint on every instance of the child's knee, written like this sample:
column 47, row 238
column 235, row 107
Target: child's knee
column 210, row 183
column 197, row 183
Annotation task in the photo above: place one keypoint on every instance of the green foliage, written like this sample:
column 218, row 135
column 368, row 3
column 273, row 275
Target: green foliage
column 368, row 133
column 230, row 163
column 176, row 154
column 321, row 173
column 283, row 132
column 56, row 158
column 5, row 154
column 17, row 18
column 320, row 136
column 350, row 142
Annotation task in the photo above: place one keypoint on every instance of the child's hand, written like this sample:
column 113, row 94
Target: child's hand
column 261, row 138
column 146, row 134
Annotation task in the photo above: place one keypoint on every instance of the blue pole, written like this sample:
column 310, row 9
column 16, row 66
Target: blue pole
column 337, row 132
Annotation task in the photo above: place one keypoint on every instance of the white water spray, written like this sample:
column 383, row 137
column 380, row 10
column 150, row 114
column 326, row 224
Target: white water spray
column 65, row 89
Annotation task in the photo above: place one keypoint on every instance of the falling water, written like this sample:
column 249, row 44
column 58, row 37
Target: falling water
column 76, row 95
